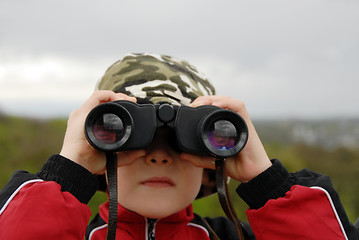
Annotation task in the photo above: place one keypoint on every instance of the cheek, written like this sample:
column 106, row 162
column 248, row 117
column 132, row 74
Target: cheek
column 125, row 173
column 126, row 179
column 192, row 179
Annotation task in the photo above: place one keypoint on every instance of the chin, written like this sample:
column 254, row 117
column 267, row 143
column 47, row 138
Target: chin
column 160, row 209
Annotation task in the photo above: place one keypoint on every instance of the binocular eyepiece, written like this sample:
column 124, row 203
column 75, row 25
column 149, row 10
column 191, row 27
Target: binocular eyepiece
column 205, row 130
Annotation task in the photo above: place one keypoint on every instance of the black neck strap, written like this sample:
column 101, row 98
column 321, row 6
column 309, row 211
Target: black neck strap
column 224, row 198
column 111, row 164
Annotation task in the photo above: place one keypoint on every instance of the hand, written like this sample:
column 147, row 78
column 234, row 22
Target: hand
column 248, row 163
column 76, row 146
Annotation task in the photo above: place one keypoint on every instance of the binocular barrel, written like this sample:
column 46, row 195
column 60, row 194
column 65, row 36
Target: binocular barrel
column 205, row 130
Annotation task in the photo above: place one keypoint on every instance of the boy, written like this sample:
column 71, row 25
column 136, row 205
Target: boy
column 157, row 184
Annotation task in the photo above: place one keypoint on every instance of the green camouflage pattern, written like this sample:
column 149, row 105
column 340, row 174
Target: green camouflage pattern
column 156, row 78
column 153, row 78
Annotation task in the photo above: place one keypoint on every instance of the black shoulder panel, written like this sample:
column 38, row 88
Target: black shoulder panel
column 17, row 178
column 96, row 222
column 223, row 227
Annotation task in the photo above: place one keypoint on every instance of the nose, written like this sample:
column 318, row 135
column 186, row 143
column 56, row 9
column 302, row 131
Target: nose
column 158, row 155
column 159, row 151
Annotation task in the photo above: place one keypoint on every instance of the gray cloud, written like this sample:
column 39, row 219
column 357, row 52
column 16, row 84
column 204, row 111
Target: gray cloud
column 285, row 59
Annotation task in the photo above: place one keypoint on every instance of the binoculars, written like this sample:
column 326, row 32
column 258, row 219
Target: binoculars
column 204, row 130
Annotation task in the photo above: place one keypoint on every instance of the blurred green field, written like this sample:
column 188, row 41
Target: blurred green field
column 27, row 143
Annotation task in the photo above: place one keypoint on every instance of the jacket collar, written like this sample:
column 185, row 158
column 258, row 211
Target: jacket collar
column 137, row 224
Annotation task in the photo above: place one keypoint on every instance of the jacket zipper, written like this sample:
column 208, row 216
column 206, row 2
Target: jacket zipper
column 151, row 224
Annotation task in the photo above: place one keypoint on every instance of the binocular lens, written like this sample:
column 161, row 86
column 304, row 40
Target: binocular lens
column 222, row 135
column 108, row 128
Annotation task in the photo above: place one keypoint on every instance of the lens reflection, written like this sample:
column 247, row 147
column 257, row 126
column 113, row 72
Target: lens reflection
column 222, row 135
column 108, row 128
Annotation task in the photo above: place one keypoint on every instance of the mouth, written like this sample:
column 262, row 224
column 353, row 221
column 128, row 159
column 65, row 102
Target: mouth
column 158, row 182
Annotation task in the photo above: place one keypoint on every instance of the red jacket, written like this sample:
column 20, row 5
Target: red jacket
column 52, row 205
column 130, row 225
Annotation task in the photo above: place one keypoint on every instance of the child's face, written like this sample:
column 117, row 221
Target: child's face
column 159, row 183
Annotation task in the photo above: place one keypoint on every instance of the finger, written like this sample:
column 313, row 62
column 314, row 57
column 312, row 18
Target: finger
column 198, row 161
column 220, row 101
column 231, row 104
column 122, row 96
column 226, row 102
column 202, row 100
column 128, row 157
column 103, row 96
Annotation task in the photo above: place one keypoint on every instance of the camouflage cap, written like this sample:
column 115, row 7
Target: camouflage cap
column 153, row 78
column 156, row 78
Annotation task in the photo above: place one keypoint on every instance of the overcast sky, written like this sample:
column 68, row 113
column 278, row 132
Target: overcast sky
column 285, row 59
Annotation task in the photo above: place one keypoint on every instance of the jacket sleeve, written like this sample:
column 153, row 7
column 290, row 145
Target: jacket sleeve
column 48, row 205
column 301, row 205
